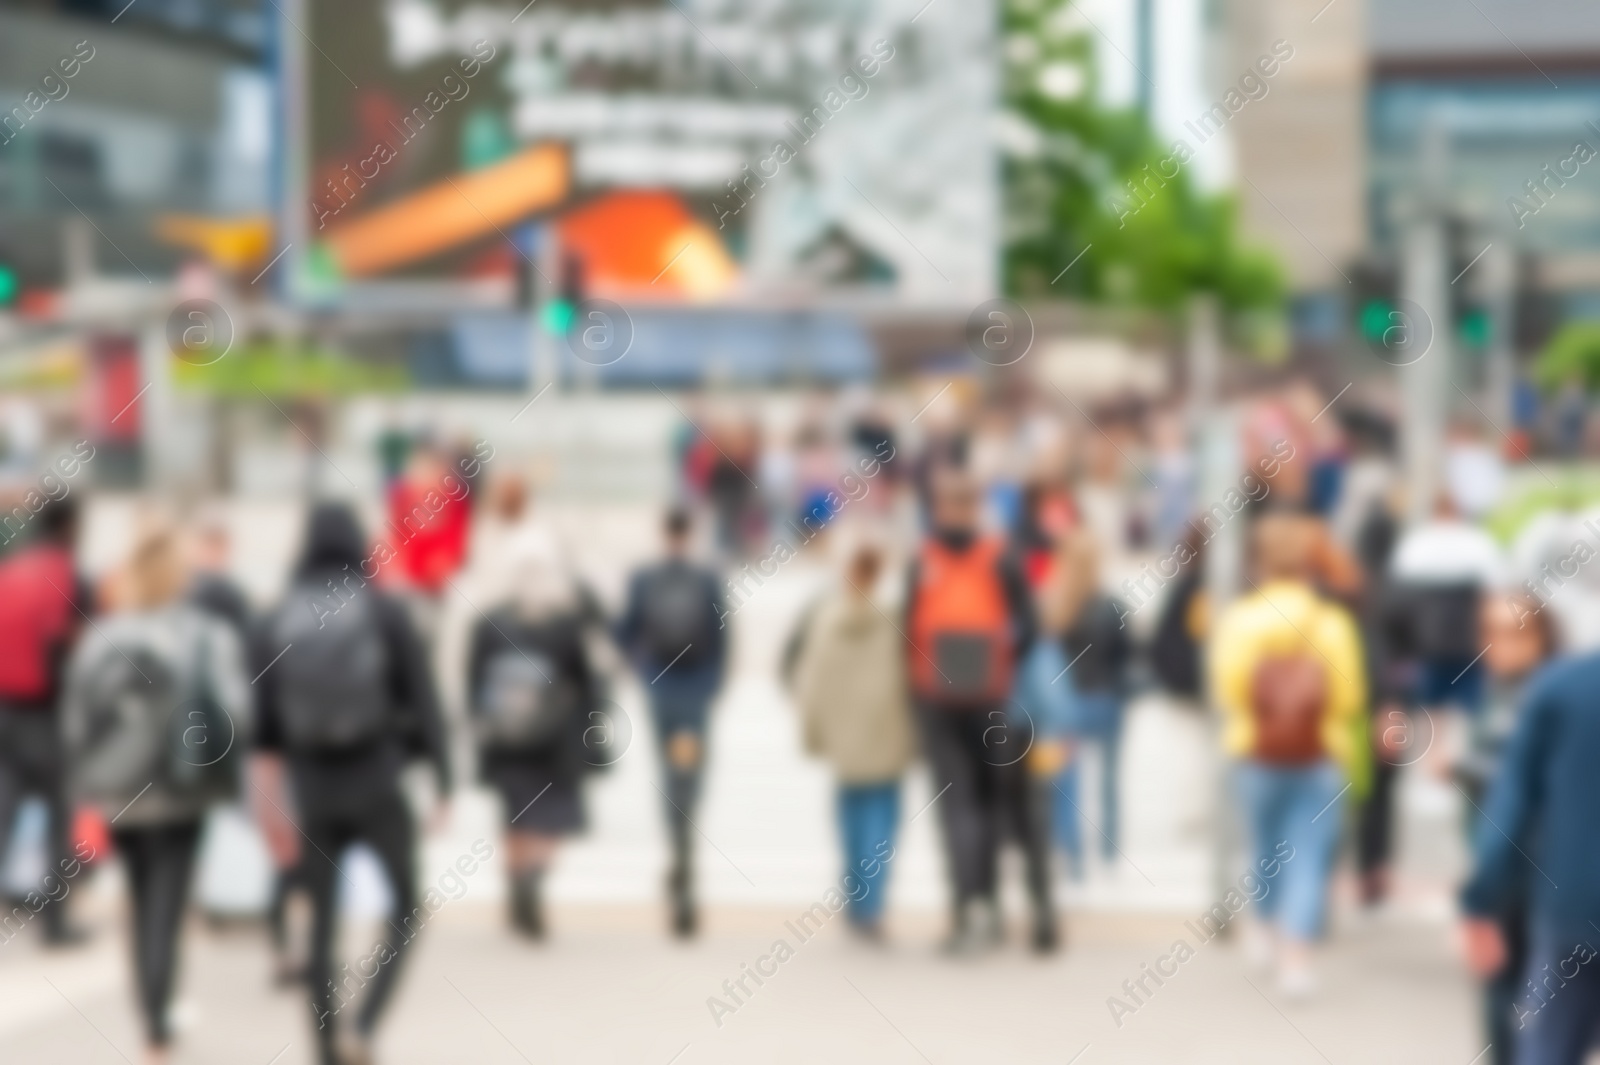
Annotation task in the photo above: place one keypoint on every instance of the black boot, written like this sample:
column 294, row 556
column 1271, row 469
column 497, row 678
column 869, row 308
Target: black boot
column 680, row 890
column 527, row 903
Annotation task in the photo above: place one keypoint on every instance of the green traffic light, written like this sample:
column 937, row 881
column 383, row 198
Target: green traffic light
column 1376, row 317
column 557, row 315
column 8, row 285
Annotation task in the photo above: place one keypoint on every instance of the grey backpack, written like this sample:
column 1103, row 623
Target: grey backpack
column 525, row 702
column 333, row 679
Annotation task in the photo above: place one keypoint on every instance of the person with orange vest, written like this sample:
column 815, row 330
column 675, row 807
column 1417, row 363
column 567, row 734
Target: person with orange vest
column 43, row 602
column 969, row 619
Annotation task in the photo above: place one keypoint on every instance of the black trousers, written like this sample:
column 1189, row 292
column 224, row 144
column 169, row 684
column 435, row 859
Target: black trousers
column 987, row 795
column 31, row 763
column 1375, row 826
column 160, row 862
column 385, row 825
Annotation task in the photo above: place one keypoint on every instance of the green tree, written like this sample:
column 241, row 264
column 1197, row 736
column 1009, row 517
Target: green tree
column 1572, row 354
column 1070, row 174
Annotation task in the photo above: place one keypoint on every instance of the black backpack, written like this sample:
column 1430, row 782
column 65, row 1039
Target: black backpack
column 333, row 679
column 525, row 701
column 677, row 614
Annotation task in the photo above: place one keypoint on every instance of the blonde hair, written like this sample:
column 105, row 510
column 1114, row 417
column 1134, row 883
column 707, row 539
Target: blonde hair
column 155, row 571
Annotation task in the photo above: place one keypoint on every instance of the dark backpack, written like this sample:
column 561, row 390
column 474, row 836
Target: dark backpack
column 677, row 614
column 204, row 761
column 1288, row 698
column 525, row 702
column 333, row 679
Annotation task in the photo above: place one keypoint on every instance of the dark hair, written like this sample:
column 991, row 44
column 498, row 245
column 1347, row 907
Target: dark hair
column 333, row 540
column 58, row 520
column 677, row 522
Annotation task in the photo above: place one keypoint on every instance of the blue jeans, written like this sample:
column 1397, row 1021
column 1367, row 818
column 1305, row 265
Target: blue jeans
column 1096, row 718
column 1292, row 811
column 681, row 704
column 1558, row 1018
column 869, row 815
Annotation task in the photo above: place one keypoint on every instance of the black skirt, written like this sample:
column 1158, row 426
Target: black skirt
column 537, row 796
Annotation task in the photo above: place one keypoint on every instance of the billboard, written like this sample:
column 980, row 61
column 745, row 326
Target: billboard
column 807, row 145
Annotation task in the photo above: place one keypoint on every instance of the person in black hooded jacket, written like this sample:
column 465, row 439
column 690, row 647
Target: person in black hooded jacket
column 346, row 697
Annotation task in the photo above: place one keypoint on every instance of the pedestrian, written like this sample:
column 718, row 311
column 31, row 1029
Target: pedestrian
column 1521, row 639
column 674, row 628
column 213, row 590
column 346, row 697
column 43, row 604
column 846, row 667
column 970, row 620
column 1540, row 810
column 156, row 722
column 531, row 690
column 211, row 587
column 1286, row 671
column 1096, row 647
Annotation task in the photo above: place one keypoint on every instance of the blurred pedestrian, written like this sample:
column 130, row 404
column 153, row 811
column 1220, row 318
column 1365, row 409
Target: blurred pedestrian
column 211, row 586
column 346, row 697
column 970, row 620
column 845, row 665
column 531, row 687
column 1286, row 670
column 1097, row 651
column 673, row 628
column 43, row 603
column 156, row 721
column 1521, row 639
column 1535, row 845
column 1442, row 567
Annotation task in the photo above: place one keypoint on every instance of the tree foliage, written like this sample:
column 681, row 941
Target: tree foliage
column 1070, row 162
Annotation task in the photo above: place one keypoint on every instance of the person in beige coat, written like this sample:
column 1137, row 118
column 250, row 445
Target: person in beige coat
column 845, row 666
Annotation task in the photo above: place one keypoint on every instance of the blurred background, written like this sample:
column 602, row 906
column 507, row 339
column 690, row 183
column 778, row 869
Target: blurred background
column 1107, row 259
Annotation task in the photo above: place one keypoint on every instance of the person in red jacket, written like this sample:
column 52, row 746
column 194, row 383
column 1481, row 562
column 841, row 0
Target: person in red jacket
column 43, row 602
column 429, row 521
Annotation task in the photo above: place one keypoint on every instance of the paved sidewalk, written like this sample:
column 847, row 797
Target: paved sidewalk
column 611, row 988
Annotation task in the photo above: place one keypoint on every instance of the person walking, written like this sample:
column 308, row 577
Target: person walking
column 674, row 628
column 43, row 602
column 1097, row 652
column 345, row 697
column 156, row 721
column 531, row 690
column 846, row 668
column 1534, row 852
column 1520, row 638
column 970, row 620
column 1286, row 670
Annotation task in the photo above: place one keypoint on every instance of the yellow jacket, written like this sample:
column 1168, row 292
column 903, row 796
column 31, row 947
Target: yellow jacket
column 1282, row 617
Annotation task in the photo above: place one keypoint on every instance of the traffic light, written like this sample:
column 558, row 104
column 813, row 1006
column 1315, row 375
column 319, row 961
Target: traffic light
column 8, row 285
column 1377, row 290
column 561, row 309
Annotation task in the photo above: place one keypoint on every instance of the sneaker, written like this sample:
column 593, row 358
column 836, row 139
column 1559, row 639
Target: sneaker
column 352, row 1048
column 977, row 930
column 66, row 936
column 1256, row 940
column 870, row 932
column 1297, row 982
column 1046, row 938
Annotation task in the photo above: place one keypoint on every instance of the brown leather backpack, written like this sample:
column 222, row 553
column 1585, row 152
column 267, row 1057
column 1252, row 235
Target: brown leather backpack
column 1288, row 697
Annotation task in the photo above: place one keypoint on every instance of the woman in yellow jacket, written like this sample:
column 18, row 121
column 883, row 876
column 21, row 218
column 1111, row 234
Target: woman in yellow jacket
column 1286, row 672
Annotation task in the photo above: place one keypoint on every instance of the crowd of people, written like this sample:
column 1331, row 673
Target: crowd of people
column 1002, row 585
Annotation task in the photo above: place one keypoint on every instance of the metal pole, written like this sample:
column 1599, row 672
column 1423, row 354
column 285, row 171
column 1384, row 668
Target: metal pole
column 1422, row 335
